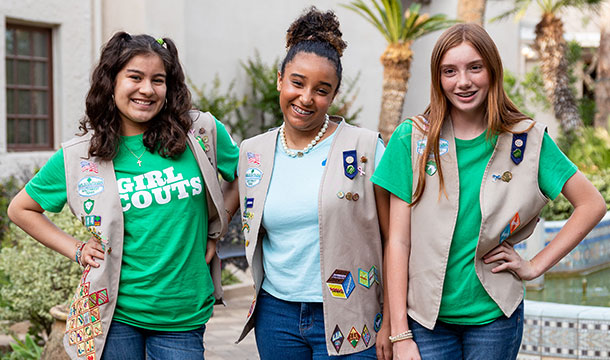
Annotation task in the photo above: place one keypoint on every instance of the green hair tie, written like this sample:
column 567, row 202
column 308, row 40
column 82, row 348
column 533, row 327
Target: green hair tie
column 160, row 41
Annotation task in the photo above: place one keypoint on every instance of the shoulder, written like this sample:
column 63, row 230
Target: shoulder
column 356, row 131
column 77, row 141
column 202, row 120
column 529, row 126
column 257, row 139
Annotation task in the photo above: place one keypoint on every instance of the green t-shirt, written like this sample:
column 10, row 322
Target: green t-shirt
column 461, row 285
column 164, row 283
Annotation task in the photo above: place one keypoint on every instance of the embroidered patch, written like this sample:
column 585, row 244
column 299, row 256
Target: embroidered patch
column 367, row 278
column 349, row 162
column 249, row 202
column 337, row 338
column 510, row 228
column 431, row 167
column 88, row 205
column 88, row 166
column 90, row 185
column 97, row 235
column 245, row 227
column 421, row 145
column 443, row 146
column 518, row 147
column 353, row 337
column 366, row 336
column 253, row 177
column 252, row 307
column 93, row 220
column 378, row 321
column 254, row 159
column 341, row 284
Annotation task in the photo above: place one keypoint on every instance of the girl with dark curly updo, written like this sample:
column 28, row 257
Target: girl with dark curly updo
column 312, row 220
column 143, row 178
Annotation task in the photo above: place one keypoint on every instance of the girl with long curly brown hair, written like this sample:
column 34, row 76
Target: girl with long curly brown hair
column 468, row 179
column 142, row 176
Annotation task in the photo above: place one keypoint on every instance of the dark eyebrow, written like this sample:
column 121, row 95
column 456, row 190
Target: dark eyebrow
column 303, row 77
column 142, row 73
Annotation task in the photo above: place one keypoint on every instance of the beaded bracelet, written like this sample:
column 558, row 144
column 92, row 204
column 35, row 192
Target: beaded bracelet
column 402, row 336
column 79, row 253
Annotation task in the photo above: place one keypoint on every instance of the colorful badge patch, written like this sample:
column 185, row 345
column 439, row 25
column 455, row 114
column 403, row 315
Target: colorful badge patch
column 97, row 235
column 349, row 163
column 443, row 146
column 517, row 150
column 88, row 166
column 367, row 278
column 252, row 307
column 254, row 159
column 88, row 205
column 510, row 228
column 249, row 202
column 366, row 336
column 431, row 167
column 378, row 321
column 353, row 337
column 341, row 284
column 253, row 177
column 421, row 145
column 93, row 220
column 245, row 228
column 337, row 338
column 90, row 185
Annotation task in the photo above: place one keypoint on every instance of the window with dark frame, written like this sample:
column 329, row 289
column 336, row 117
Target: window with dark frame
column 29, row 88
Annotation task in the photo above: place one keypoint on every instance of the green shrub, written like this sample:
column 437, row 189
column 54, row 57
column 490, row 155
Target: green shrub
column 8, row 188
column 561, row 209
column 37, row 278
column 590, row 150
column 24, row 350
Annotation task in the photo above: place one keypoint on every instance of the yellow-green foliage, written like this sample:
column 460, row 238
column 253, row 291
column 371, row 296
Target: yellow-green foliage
column 35, row 277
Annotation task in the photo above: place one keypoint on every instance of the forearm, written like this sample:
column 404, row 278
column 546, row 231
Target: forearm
column 396, row 283
column 230, row 194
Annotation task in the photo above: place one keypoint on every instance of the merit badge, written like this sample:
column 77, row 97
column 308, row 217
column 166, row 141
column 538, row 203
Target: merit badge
column 254, row 159
column 97, row 235
column 378, row 321
column 363, row 159
column 443, row 146
column 421, row 145
column 88, row 205
column 88, row 166
column 431, row 167
column 510, row 228
column 341, row 284
column 249, row 202
column 340, row 194
column 90, row 185
column 253, row 177
column 355, row 197
column 507, row 176
column 366, row 335
column 252, row 307
column 353, row 337
column 367, row 278
column 337, row 338
column 93, row 220
column 245, row 227
column 495, row 177
column 349, row 163
column 348, row 196
column 518, row 147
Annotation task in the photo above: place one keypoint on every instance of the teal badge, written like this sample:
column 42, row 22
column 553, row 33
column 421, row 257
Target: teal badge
column 431, row 167
column 88, row 206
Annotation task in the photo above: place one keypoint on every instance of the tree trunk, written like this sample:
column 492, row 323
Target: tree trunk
column 396, row 61
column 471, row 11
column 551, row 48
column 602, row 82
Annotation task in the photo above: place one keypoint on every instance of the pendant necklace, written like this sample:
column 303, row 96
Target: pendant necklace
column 136, row 156
column 308, row 148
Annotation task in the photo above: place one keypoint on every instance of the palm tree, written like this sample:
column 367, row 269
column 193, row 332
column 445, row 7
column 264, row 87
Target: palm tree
column 602, row 84
column 400, row 32
column 551, row 48
column 471, row 11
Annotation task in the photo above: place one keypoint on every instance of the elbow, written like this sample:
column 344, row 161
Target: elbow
column 600, row 207
column 12, row 211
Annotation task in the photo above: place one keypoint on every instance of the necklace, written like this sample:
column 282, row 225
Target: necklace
column 310, row 146
column 134, row 155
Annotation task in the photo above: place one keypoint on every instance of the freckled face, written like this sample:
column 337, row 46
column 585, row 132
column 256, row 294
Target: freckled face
column 139, row 92
column 307, row 88
column 465, row 80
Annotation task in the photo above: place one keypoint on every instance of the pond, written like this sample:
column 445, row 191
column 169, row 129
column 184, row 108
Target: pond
column 592, row 289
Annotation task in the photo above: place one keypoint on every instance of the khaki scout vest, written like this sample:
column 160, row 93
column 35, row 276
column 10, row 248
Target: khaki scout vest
column 350, row 238
column 513, row 206
column 93, row 304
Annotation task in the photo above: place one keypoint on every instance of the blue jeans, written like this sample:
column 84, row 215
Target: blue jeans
column 126, row 342
column 295, row 331
column 498, row 340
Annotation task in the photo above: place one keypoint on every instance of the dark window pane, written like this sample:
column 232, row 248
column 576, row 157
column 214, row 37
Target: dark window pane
column 10, row 41
column 40, row 137
column 10, row 133
column 23, row 72
column 41, row 76
column 23, row 131
column 40, row 44
column 10, row 101
column 23, row 42
column 41, row 103
column 10, row 72
column 24, row 102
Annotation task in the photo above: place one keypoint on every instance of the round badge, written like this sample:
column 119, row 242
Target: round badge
column 355, row 197
column 349, row 159
column 253, row 177
column 348, row 196
column 507, row 176
column 518, row 143
column 363, row 159
column 340, row 195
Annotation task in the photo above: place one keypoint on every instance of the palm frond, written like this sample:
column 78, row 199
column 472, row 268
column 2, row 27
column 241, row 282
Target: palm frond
column 360, row 8
column 518, row 11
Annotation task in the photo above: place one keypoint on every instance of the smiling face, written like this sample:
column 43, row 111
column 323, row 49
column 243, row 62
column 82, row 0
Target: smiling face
column 307, row 88
column 465, row 81
column 139, row 92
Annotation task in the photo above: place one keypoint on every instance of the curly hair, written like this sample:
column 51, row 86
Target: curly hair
column 167, row 130
column 318, row 33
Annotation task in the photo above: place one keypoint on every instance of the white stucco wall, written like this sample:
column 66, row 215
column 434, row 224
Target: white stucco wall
column 71, row 38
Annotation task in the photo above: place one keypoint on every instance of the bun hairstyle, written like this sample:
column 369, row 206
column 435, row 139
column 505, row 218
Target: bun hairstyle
column 316, row 32
column 166, row 132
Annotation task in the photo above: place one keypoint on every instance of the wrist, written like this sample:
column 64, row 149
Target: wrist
column 405, row 335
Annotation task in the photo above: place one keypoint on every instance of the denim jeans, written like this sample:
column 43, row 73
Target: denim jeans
column 126, row 342
column 295, row 331
column 498, row 340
